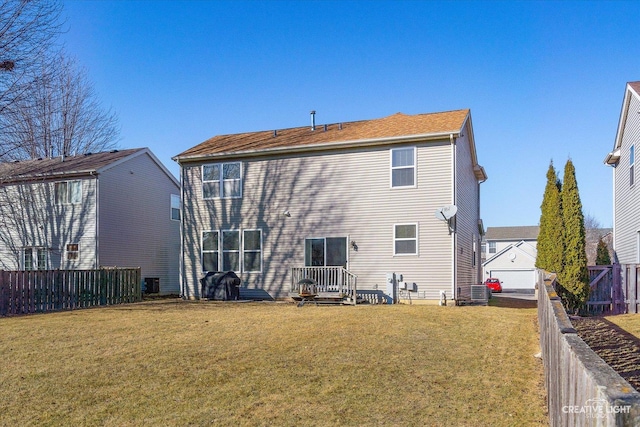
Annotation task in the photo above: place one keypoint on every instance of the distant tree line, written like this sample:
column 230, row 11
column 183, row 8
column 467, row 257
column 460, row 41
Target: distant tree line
column 47, row 104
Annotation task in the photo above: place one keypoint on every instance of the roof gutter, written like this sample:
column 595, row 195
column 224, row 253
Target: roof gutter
column 372, row 142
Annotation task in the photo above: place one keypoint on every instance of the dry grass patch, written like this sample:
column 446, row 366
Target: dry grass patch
column 196, row 363
column 628, row 322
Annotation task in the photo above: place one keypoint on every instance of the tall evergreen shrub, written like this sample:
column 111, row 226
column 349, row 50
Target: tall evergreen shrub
column 574, row 276
column 550, row 246
column 602, row 253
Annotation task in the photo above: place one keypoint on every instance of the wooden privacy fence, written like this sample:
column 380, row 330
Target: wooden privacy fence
column 613, row 289
column 40, row 291
column 582, row 390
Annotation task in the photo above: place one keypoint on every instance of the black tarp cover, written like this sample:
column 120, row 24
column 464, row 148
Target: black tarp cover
column 220, row 286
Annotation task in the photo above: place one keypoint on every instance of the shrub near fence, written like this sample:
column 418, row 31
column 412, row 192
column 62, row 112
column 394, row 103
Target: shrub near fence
column 38, row 291
column 582, row 390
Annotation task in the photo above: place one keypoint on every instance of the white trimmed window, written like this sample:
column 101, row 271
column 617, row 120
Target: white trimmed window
column 210, row 251
column 252, row 251
column 405, row 239
column 72, row 251
column 68, row 192
column 232, row 250
column 222, row 181
column 34, row 258
column 492, row 247
column 403, row 167
column 632, row 160
column 175, row 207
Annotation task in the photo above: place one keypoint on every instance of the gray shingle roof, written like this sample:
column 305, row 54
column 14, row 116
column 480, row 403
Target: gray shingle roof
column 71, row 166
column 526, row 232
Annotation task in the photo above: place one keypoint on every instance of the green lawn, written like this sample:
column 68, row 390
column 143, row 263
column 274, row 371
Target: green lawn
column 170, row 362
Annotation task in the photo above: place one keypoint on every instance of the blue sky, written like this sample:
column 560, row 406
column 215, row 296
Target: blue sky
column 543, row 80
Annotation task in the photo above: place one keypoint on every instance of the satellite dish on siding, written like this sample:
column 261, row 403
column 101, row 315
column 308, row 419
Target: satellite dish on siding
column 445, row 213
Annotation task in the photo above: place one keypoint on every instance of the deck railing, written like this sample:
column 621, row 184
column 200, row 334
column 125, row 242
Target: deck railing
column 336, row 280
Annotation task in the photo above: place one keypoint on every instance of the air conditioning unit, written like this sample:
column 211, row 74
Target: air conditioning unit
column 402, row 286
column 479, row 293
column 412, row 287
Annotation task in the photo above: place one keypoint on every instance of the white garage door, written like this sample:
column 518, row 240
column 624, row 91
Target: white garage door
column 515, row 279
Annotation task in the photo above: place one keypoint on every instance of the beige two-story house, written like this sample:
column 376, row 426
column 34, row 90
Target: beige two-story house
column 359, row 196
column 117, row 208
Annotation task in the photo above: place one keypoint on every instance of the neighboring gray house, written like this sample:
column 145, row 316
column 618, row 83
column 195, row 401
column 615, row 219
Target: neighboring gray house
column 118, row 208
column 359, row 195
column 510, row 255
column 626, row 191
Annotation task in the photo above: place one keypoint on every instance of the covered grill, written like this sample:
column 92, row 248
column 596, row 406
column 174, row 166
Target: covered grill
column 220, row 286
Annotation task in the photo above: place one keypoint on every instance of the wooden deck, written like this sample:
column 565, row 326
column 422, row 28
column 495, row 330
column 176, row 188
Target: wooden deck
column 333, row 285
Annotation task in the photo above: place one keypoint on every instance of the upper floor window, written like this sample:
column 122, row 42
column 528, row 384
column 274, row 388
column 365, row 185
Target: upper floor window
column 73, row 251
column 403, row 167
column 68, row 192
column 222, row 180
column 632, row 160
column 175, row 207
column 492, row 247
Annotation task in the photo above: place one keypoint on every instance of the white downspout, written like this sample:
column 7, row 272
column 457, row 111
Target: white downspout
column 453, row 201
column 96, row 258
column 182, row 222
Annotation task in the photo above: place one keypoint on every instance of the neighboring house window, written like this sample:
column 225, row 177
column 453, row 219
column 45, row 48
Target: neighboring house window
column 35, row 259
column 252, row 250
column 403, row 167
column 325, row 251
column 483, row 247
column 175, row 207
column 231, row 250
column 632, row 160
column 210, row 251
column 222, row 180
column 492, row 247
column 73, row 251
column 405, row 239
column 68, row 192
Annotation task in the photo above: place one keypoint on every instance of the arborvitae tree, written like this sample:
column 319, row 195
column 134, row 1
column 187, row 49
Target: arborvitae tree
column 550, row 236
column 574, row 276
column 602, row 253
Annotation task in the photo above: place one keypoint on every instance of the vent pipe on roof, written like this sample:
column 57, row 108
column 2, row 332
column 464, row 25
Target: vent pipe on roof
column 313, row 119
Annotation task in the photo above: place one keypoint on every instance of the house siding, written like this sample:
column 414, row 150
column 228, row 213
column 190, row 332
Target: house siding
column 340, row 193
column 135, row 226
column 467, row 201
column 31, row 218
column 627, row 197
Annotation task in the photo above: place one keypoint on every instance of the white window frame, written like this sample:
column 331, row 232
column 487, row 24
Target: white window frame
column 223, row 250
column 203, row 251
column 240, row 251
column 324, row 250
column 491, row 246
column 394, row 168
column 405, row 239
column 68, row 252
column 221, row 180
column 37, row 251
column 245, row 250
column 71, row 197
column 175, row 207
column 632, row 161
